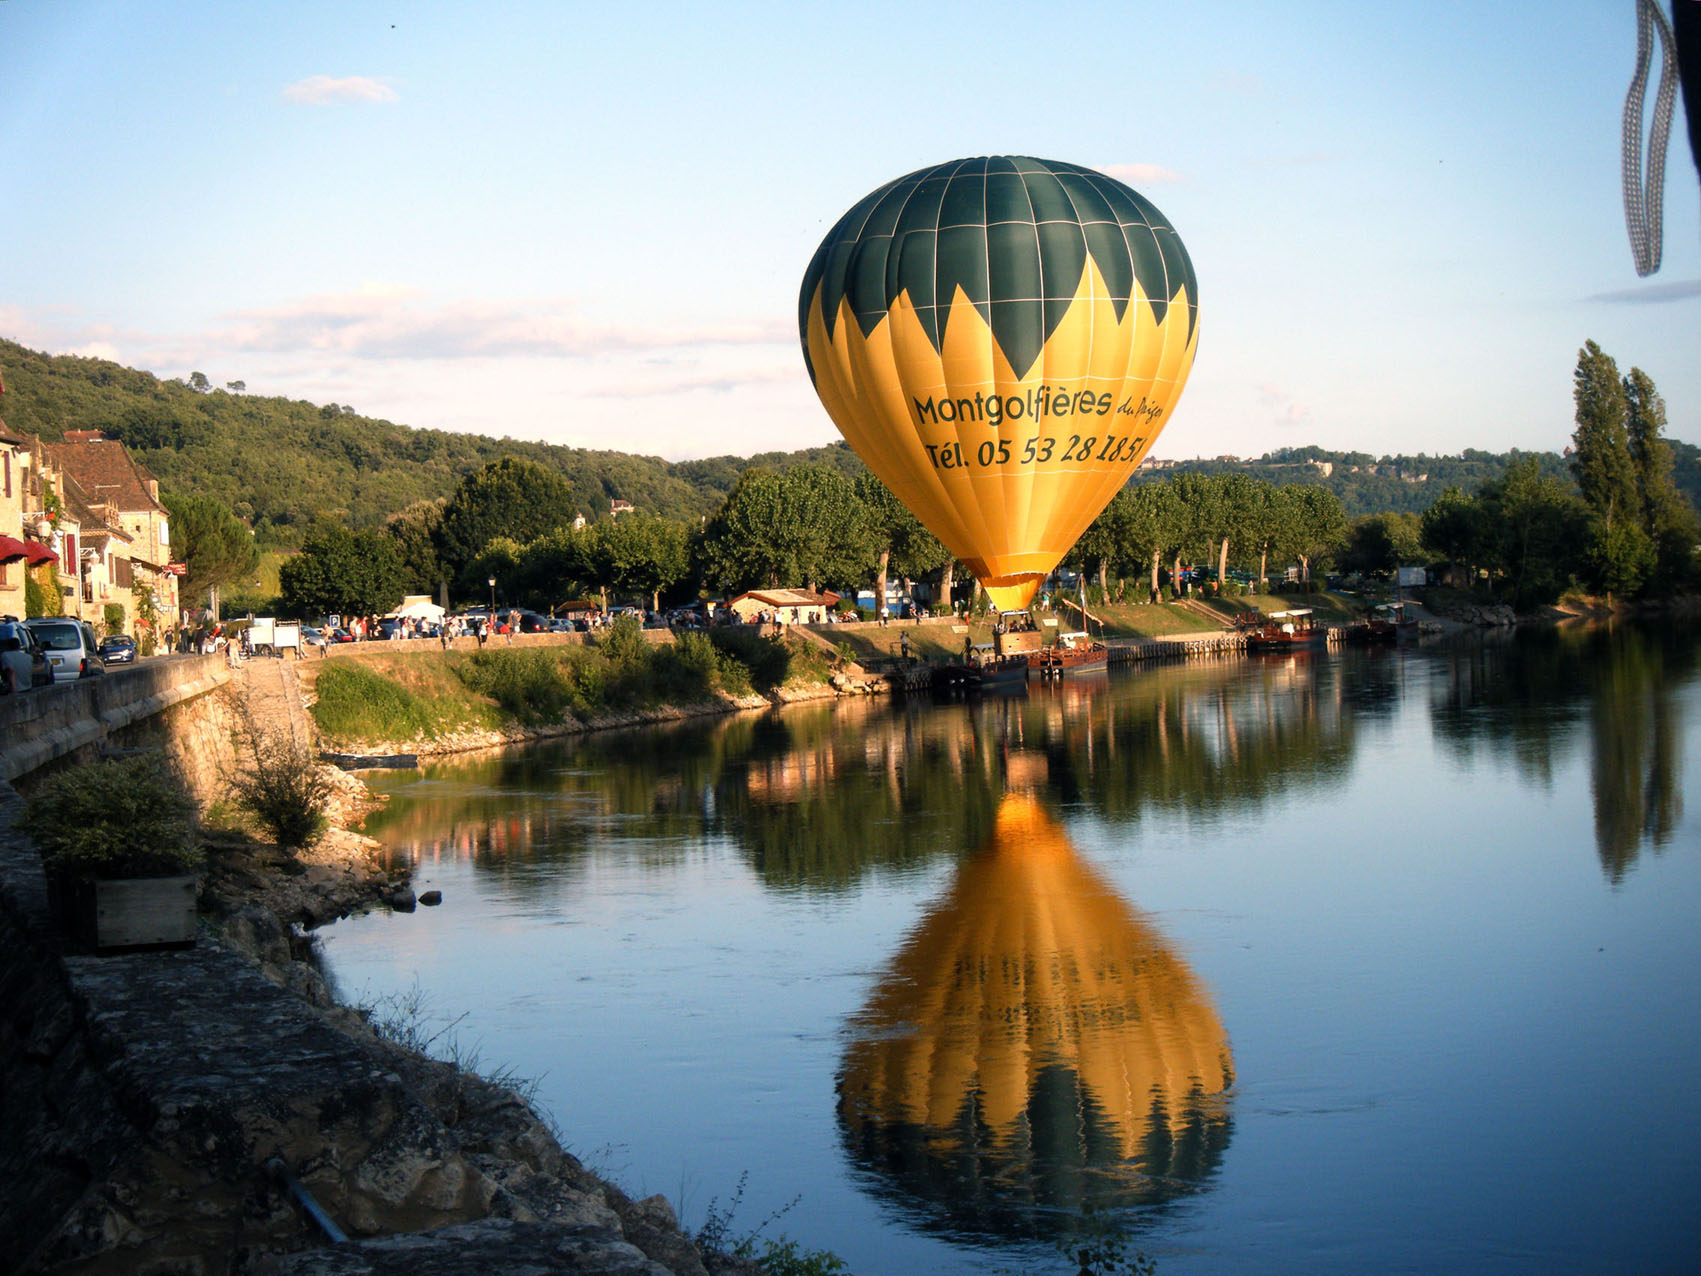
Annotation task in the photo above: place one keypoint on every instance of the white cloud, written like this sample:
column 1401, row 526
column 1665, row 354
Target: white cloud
column 382, row 321
column 323, row 90
column 1284, row 410
column 97, row 350
column 1141, row 174
column 721, row 382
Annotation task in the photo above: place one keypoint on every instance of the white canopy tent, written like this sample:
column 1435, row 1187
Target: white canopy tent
column 420, row 606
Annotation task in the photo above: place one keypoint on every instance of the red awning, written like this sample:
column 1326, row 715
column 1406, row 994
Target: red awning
column 38, row 554
column 11, row 547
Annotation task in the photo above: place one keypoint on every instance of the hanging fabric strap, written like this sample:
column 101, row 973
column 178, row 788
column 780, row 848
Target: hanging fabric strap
column 1642, row 204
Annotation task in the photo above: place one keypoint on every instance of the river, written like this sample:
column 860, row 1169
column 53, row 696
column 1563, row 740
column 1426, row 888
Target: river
column 1380, row 961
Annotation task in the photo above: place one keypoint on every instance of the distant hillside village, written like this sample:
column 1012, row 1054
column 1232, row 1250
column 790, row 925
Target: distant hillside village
column 83, row 533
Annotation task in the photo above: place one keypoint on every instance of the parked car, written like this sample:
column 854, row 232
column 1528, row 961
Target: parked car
column 118, row 649
column 23, row 663
column 312, row 637
column 70, row 645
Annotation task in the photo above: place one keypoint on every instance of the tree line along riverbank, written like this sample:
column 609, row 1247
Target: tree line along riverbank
column 418, row 697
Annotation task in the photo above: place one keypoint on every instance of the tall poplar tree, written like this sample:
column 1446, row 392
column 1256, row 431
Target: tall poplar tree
column 1620, row 553
column 1667, row 516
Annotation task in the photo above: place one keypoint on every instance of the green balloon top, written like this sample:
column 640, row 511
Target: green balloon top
column 1013, row 233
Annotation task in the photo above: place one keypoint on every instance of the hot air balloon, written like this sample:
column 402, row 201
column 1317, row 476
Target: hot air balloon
column 1034, row 1048
column 1001, row 339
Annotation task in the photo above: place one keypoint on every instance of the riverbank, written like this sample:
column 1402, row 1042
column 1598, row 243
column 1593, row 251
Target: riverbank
column 156, row 1101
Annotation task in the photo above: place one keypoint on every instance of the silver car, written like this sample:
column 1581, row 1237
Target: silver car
column 70, row 645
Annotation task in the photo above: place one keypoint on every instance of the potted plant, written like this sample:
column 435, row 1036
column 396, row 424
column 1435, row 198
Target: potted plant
column 118, row 844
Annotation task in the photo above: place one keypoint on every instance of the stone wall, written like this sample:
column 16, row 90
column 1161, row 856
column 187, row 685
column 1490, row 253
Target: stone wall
column 76, row 720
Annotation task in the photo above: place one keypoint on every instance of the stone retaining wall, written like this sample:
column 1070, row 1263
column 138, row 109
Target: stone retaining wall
column 77, row 719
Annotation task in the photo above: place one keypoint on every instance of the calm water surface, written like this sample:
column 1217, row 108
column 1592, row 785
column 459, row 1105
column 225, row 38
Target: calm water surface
column 1380, row 961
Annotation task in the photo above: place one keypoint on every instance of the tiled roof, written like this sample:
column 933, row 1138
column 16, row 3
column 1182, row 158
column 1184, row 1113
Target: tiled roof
column 107, row 472
column 788, row 598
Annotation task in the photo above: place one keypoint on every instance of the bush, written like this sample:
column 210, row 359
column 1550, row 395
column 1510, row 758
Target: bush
column 686, row 671
column 767, row 660
column 527, row 683
column 624, row 646
column 126, row 818
column 283, row 788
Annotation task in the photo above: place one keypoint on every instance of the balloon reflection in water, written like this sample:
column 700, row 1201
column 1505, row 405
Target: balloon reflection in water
column 1034, row 1049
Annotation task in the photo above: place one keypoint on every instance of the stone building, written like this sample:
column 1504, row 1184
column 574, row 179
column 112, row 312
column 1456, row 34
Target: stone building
column 135, row 530
column 14, row 548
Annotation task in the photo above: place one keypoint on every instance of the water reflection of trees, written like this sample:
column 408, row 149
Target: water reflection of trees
column 1033, row 1050
column 818, row 796
column 1612, row 689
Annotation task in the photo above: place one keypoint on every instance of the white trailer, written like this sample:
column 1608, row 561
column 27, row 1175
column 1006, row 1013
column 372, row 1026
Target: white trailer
column 269, row 637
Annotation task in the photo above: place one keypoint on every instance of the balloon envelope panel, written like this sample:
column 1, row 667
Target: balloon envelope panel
column 1001, row 339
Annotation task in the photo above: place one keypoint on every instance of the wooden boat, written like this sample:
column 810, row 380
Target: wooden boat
column 1293, row 630
column 1387, row 622
column 984, row 670
column 1074, row 654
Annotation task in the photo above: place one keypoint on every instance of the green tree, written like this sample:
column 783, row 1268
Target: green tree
column 801, row 527
column 1310, row 523
column 902, row 545
column 1532, row 525
column 1382, row 542
column 514, row 498
column 1620, row 552
column 1148, row 526
column 1452, row 528
column 1668, row 517
column 559, row 567
column 1239, row 513
column 415, row 530
column 1105, row 542
column 215, row 547
column 500, row 561
column 338, row 570
column 1194, row 517
column 641, row 554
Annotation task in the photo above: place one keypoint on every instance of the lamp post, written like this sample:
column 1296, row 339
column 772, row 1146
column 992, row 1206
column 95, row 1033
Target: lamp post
column 493, row 600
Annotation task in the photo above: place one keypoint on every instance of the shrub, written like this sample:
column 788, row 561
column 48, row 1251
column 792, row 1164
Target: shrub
column 527, row 683
column 686, row 671
column 282, row 787
column 767, row 660
column 624, row 646
column 125, row 818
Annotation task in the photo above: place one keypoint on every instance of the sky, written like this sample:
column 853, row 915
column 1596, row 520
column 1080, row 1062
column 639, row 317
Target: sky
column 587, row 224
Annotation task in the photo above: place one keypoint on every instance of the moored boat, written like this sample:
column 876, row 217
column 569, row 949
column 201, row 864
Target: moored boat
column 1074, row 653
column 1292, row 630
column 1386, row 622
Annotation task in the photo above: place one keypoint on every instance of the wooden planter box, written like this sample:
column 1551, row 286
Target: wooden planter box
column 130, row 913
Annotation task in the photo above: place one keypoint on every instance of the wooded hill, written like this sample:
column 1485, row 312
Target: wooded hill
column 282, row 464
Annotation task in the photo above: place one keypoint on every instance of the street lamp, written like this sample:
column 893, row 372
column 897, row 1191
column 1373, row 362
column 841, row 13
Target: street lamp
column 493, row 600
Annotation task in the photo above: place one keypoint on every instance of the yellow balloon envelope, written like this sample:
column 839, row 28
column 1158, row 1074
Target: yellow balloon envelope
column 1001, row 339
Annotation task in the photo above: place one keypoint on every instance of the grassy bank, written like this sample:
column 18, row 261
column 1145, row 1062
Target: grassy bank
column 427, row 695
